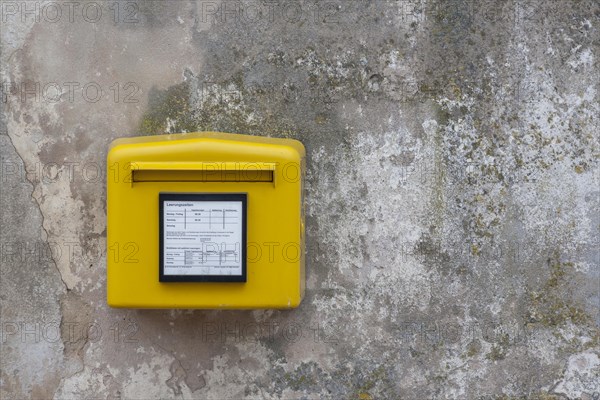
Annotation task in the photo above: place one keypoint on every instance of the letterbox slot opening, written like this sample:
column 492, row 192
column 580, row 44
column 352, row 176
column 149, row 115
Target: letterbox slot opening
column 202, row 176
column 146, row 171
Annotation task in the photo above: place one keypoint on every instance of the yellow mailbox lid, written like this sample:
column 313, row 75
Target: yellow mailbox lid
column 205, row 220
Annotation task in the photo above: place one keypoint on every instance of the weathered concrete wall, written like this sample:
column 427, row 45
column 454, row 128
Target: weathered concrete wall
column 453, row 195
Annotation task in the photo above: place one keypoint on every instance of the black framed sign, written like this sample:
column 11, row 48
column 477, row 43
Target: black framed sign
column 202, row 237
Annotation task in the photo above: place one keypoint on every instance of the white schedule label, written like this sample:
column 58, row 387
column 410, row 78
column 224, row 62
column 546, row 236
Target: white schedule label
column 202, row 237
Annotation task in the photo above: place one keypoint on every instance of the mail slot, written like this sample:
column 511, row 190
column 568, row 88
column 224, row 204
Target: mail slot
column 205, row 220
column 202, row 171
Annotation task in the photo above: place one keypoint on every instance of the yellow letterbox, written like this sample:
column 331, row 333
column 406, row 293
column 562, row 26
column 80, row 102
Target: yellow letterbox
column 205, row 220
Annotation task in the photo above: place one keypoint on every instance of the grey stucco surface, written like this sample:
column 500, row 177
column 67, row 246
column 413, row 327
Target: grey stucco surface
column 453, row 196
